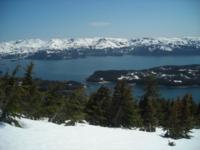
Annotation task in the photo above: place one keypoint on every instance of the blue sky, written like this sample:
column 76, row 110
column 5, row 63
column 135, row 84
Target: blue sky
column 45, row 19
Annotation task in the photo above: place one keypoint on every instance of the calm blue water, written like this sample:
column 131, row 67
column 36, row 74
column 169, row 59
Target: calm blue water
column 167, row 92
column 80, row 69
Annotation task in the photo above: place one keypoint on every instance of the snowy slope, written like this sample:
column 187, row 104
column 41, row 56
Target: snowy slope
column 41, row 135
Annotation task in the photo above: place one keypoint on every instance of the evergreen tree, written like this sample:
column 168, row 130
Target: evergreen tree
column 175, row 126
column 32, row 97
column 151, row 87
column 162, row 111
column 148, row 114
column 98, row 107
column 72, row 109
column 166, row 113
column 10, row 97
column 124, row 109
column 149, row 104
column 197, row 117
column 187, row 114
column 28, row 76
column 52, row 102
column 180, row 118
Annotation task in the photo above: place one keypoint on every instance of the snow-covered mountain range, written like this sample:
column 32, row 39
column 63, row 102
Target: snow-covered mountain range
column 81, row 47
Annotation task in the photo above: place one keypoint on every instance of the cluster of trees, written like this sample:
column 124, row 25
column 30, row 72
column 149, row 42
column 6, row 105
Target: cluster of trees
column 120, row 109
column 24, row 97
column 117, row 108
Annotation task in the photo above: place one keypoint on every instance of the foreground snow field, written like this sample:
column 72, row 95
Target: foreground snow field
column 41, row 135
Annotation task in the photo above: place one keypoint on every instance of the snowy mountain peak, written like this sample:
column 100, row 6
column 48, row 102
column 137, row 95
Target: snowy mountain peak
column 31, row 46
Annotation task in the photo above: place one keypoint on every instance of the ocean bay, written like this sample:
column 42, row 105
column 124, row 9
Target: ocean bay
column 79, row 69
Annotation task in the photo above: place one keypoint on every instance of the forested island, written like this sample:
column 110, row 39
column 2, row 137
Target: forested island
column 169, row 75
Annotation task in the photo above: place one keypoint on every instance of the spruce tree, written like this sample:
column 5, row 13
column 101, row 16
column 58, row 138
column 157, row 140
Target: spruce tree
column 52, row 102
column 148, row 114
column 98, row 107
column 149, row 103
column 10, row 97
column 166, row 115
column 162, row 111
column 124, row 109
column 151, row 87
column 72, row 107
column 28, row 75
column 187, row 114
column 180, row 117
column 175, row 126
column 197, row 117
column 76, row 105
column 31, row 99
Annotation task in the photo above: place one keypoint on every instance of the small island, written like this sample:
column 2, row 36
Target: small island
column 169, row 75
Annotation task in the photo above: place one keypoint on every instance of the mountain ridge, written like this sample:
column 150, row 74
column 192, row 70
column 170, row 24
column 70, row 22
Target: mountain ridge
column 80, row 47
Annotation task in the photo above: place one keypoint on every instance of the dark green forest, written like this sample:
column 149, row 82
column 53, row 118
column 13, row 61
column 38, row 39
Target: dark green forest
column 23, row 97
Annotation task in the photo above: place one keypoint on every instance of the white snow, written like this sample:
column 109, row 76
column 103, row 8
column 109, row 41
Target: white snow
column 42, row 135
column 182, row 70
column 129, row 76
column 136, row 77
column 101, row 79
column 122, row 77
column 34, row 45
column 177, row 81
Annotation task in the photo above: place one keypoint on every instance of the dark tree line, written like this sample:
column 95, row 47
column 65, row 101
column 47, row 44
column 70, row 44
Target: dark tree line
column 117, row 108
column 23, row 97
